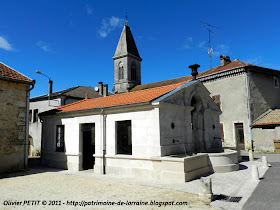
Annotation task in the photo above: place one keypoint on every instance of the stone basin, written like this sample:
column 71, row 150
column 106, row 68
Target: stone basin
column 223, row 162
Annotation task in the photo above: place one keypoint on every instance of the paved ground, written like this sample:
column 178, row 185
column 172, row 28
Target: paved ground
column 65, row 188
column 50, row 184
column 267, row 193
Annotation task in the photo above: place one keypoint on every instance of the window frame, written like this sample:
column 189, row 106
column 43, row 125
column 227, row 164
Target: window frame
column 30, row 116
column 35, row 115
column 133, row 70
column 119, row 142
column 60, row 148
column 121, row 71
column 218, row 102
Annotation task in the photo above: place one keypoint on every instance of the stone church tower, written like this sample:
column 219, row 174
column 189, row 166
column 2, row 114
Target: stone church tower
column 127, row 63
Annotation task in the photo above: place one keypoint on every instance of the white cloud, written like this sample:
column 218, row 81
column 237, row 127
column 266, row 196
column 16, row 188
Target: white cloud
column 4, row 44
column 223, row 48
column 190, row 39
column 44, row 46
column 201, row 44
column 188, row 43
column 256, row 61
column 109, row 24
column 220, row 49
column 89, row 10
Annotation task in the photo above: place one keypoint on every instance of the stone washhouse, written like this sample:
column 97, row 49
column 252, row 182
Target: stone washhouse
column 141, row 133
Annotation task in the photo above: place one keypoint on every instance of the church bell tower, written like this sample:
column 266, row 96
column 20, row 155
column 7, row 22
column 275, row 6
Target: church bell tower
column 127, row 63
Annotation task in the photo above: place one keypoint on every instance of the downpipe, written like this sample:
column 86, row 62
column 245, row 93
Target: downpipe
column 26, row 145
column 104, row 141
column 249, row 110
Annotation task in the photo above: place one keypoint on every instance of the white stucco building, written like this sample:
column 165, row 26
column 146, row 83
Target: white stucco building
column 53, row 100
column 131, row 133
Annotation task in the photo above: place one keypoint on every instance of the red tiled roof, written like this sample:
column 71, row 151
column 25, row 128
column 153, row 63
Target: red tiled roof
column 120, row 99
column 9, row 73
column 270, row 118
column 234, row 64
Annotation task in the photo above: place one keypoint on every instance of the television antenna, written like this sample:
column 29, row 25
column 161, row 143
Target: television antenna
column 211, row 34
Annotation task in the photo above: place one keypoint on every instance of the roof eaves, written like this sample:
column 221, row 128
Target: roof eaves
column 110, row 107
column 265, row 124
column 53, row 95
column 17, row 80
column 217, row 74
column 263, row 70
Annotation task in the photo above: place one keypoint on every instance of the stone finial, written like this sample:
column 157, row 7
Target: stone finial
column 206, row 193
column 86, row 97
column 194, row 68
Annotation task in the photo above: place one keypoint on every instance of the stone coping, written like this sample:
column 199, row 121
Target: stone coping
column 129, row 157
column 225, row 153
column 165, row 158
column 181, row 159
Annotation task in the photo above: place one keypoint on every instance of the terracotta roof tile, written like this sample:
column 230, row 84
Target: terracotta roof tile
column 9, row 73
column 120, row 99
column 234, row 64
column 271, row 118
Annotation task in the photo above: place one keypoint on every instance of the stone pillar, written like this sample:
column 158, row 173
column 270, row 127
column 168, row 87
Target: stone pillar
column 264, row 162
column 206, row 189
column 251, row 155
column 255, row 173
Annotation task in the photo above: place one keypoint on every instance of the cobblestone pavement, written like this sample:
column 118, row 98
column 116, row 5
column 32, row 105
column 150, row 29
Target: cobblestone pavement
column 64, row 188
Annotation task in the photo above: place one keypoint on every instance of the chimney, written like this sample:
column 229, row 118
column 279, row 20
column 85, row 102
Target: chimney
column 194, row 68
column 224, row 60
column 100, row 88
column 105, row 90
column 50, row 87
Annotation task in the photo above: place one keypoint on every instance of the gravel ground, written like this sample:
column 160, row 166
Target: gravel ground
column 65, row 186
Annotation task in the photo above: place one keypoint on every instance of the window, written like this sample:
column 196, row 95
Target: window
column 276, row 82
column 124, row 143
column 133, row 71
column 217, row 100
column 30, row 116
column 35, row 115
column 60, row 138
column 120, row 70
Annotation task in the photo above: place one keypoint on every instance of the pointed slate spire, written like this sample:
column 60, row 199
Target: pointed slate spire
column 126, row 45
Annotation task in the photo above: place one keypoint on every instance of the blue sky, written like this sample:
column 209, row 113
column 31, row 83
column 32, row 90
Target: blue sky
column 73, row 41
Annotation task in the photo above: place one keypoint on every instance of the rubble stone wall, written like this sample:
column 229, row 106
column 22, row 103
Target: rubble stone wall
column 12, row 125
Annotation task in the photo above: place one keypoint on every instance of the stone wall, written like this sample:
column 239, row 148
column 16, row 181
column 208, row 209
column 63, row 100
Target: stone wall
column 12, row 125
column 264, row 138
